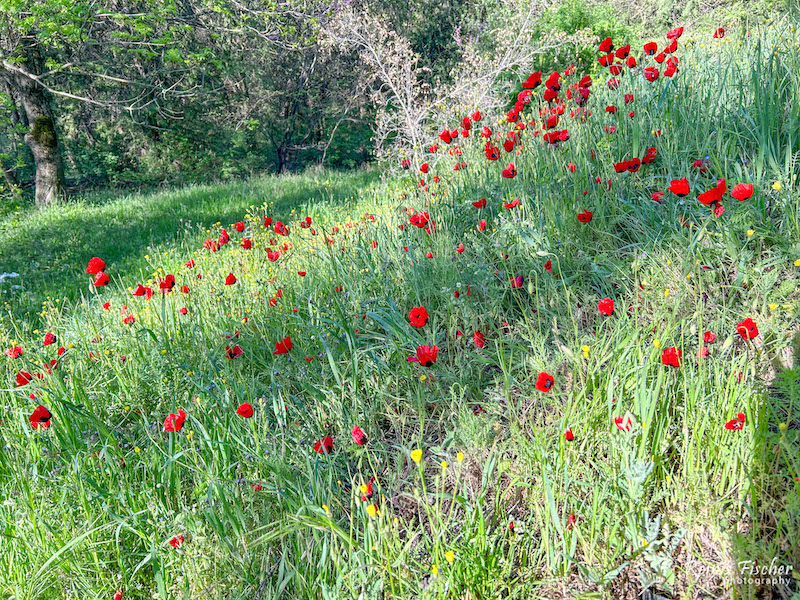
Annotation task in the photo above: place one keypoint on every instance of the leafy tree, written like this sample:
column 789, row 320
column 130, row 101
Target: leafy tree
column 137, row 57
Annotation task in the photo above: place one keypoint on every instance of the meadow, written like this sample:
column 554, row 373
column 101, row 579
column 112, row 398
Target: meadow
column 555, row 359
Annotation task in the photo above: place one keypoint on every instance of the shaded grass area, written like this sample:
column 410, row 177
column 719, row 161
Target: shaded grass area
column 49, row 248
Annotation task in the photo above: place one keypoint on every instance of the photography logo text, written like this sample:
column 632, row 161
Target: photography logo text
column 751, row 573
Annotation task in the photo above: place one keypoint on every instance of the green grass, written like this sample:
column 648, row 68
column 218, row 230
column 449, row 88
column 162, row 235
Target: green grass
column 477, row 493
column 48, row 247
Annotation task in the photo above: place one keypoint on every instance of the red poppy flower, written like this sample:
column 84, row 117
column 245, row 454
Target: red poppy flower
column 239, row 226
column 106, row 305
column 245, row 410
column 742, row 191
column 585, row 216
column 650, row 48
column 548, row 266
column 425, row 356
column 183, row 310
column 40, row 417
column 23, row 378
column 514, row 203
column 715, row 194
column 679, row 187
column 737, row 423
column 606, row 307
column 533, row 81
column 516, row 282
column 675, row 33
column 280, row 228
column 650, row 73
column 479, row 339
column 359, row 437
column 15, row 351
column 671, row 356
column 747, row 329
column 49, row 338
column 246, row 244
column 544, row 382
column 234, row 352
column 230, row 279
column 95, row 266
column 143, row 291
column 420, row 219
column 480, row 203
column 324, row 445
column 606, row 45
column 445, row 136
column 176, row 541
column 568, row 435
column 460, row 248
column 719, row 34
column 175, row 422
column 709, row 337
column 167, row 283
column 623, row 51
column 510, row 171
column 624, row 423
column 367, row 492
column 101, row 279
column 482, row 225
column 606, row 60
column 418, row 316
column 129, row 320
column 283, row 346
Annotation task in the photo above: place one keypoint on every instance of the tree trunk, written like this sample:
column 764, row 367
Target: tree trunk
column 41, row 137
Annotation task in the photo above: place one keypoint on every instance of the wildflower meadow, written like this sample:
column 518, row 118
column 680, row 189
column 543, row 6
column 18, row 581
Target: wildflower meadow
column 551, row 353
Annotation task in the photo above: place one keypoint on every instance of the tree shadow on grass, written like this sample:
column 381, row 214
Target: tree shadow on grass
column 50, row 248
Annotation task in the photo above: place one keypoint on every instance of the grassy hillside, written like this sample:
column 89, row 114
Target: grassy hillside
column 47, row 248
column 597, row 405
